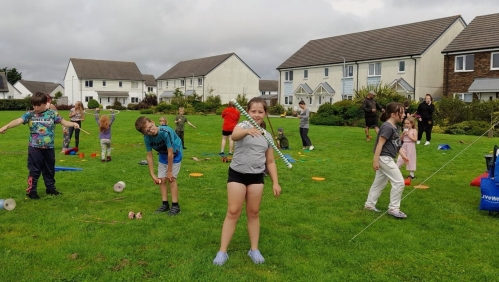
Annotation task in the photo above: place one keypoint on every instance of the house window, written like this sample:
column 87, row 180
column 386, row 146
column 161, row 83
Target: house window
column 10, row 97
column 191, row 81
column 135, row 84
column 135, row 100
column 288, row 100
column 494, row 61
column 347, row 97
column 160, row 85
column 310, row 100
column 120, row 84
column 305, row 74
column 465, row 62
column 326, row 72
column 166, row 83
column 320, row 100
column 466, row 97
column 182, row 82
column 150, row 89
column 88, row 98
column 348, row 72
column 288, row 76
column 104, row 83
column 200, row 81
column 108, row 99
column 401, row 66
column 89, row 83
column 374, row 69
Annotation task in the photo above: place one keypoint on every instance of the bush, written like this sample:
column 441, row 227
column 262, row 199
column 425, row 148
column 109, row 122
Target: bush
column 165, row 108
column 92, row 104
column 146, row 111
column 471, row 127
column 132, row 106
column 15, row 104
column 277, row 109
column 345, row 112
column 63, row 107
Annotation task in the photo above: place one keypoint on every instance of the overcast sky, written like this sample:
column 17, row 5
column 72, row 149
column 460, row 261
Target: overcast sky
column 39, row 37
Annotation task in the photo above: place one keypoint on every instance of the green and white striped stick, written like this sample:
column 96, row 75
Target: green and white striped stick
column 253, row 122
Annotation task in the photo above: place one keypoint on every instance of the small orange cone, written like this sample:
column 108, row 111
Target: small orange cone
column 407, row 181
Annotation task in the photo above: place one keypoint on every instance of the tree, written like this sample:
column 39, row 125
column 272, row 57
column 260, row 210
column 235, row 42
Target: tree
column 58, row 94
column 12, row 75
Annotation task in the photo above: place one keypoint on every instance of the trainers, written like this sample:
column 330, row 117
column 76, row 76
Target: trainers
column 53, row 192
column 230, row 154
column 374, row 209
column 33, row 195
column 163, row 208
column 419, row 142
column 174, row 210
column 411, row 177
column 221, row 258
column 310, row 148
column 256, row 256
column 108, row 158
column 427, row 143
column 221, row 154
column 103, row 161
column 397, row 213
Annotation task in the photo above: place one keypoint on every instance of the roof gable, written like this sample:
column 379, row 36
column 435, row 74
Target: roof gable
column 391, row 42
column 149, row 80
column 39, row 86
column 481, row 33
column 102, row 69
column 303, row 89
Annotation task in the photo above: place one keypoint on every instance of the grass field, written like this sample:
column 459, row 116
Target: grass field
column 306, row 234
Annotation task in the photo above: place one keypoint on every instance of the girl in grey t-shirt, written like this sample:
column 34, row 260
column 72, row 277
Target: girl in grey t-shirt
column 252, row 154
column 388, row 143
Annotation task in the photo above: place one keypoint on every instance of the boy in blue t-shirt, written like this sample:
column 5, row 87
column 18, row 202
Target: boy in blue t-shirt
column 41, row 156
column 166, row 142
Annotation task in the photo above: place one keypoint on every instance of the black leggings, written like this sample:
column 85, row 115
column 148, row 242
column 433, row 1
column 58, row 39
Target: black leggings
column 305, row 141
column 77, row 134
column 426, row 126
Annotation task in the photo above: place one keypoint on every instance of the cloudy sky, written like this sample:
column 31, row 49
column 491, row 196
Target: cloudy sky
column 39, row 37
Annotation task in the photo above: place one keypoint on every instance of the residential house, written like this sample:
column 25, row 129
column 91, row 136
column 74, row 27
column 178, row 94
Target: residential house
column 28, row 88
column 150, row 84
column 471, row 61
column 224, row 75
column 7, row 90
column 269, row 90
column 104, row 81
column 407, row 57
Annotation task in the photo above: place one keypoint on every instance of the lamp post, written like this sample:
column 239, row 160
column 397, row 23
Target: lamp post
column 343, row 79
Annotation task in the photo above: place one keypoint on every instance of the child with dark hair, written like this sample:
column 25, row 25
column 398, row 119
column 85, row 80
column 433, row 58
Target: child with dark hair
column 282, row 140
column 245, row 181
column 388, row 143
column 169, row 146
column 41, row 156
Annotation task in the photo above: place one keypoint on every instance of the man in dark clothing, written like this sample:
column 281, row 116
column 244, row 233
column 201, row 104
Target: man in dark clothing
column 370, row 107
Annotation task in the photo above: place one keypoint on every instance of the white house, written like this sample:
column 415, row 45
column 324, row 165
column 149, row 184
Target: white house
column 407, row 57
column 28, row 88
column 224, row 75
column 150, row 84
column 269, row 90
column 104, row 81
column 7, row 90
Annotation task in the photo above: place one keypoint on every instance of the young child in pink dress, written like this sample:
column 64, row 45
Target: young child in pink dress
column 409, row 136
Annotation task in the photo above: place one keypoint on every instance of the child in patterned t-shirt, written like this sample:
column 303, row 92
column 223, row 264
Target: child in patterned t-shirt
column 41, row 156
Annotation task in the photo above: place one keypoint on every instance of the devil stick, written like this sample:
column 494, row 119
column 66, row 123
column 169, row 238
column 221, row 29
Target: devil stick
column 253, row 122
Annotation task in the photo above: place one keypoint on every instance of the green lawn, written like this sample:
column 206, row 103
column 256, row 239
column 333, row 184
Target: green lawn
column 306, row 234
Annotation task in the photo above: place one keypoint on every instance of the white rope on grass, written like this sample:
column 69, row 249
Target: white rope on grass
column 369, row 225
column 253, row 122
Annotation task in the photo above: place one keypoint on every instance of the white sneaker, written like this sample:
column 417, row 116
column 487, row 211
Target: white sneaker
column 419, row 142
column 311, row 148
column 427, row 143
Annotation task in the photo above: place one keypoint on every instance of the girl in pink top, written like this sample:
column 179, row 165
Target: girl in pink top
column 409, row 136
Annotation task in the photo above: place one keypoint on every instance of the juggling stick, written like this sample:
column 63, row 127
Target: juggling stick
column 253, row 122
column 96, row 114
column 84, row 131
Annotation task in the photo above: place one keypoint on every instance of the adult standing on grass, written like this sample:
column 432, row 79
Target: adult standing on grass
column 388, row 143
column 164, row 140
column 424, row 114
column 304, row 116
column 180, row 121
column 231, row 117
column 41, row 155
column 245, row 182
column 77, row 115
column 371, row 108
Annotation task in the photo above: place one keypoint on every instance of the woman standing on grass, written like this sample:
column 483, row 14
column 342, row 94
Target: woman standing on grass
column 245, row 182
column 388, row 143
column 77, row 115
column 425, row 119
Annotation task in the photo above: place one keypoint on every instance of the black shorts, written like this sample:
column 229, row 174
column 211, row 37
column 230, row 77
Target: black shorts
column 372, row 121
column 226, row 133
column 245, row 178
